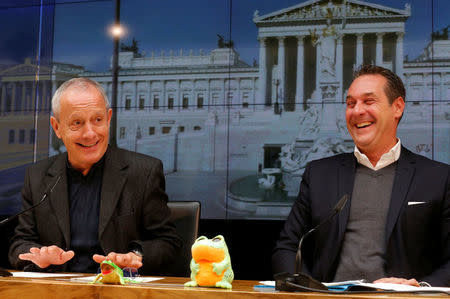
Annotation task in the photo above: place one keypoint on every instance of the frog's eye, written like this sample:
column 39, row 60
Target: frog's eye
column 201, row 238
column 217, row 239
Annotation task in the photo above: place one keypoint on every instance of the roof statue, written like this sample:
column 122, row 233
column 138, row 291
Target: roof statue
column 221, row 43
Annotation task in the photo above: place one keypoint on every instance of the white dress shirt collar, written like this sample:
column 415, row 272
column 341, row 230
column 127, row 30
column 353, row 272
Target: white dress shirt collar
column 386, row 159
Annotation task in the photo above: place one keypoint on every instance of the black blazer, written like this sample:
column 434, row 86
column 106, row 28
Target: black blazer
column 133, row 210
column 417, row 237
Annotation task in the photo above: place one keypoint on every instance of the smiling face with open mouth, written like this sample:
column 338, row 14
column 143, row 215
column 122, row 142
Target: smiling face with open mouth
column 371, row 120
column 83, row 126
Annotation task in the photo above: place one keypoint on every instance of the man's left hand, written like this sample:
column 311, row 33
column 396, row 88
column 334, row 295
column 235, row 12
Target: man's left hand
column 411, row 282
column 122, row 260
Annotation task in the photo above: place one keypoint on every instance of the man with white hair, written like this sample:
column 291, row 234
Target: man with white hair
column 109, row 203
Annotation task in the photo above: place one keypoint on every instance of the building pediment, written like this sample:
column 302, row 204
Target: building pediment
column 67, row 68
column 331, row 9
column 28, row 70
column 25, row 70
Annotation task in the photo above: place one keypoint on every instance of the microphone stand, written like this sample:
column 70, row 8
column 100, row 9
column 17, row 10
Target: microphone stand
column 4, row 272
column 301, row 281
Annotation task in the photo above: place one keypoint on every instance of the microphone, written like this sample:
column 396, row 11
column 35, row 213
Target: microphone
column 301, row 281
column 46, row 194
column 4, row 272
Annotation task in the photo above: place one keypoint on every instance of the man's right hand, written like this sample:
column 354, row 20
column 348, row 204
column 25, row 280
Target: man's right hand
column 46, row 256
column 411, row 282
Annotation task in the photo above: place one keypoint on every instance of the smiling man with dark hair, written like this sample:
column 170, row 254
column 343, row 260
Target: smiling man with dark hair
column 396, row 226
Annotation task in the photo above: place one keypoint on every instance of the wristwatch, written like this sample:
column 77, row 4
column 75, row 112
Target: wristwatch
column 424, row 284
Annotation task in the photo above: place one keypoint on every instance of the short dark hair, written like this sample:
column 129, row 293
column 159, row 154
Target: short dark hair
column 394, row 87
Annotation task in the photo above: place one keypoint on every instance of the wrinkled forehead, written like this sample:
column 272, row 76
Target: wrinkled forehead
column 83, row 95
column 81, row 87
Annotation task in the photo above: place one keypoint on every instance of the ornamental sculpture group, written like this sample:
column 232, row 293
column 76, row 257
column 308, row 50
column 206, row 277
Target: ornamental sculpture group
column 322, row 121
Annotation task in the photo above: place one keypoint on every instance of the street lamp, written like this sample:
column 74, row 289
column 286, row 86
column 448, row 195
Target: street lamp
column 116, row 31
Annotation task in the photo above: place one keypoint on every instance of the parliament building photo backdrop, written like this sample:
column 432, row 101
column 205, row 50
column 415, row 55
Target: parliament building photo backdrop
column 235, row 97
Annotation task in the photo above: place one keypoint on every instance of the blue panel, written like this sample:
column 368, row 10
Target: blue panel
column 187, row 100
column 25, row 75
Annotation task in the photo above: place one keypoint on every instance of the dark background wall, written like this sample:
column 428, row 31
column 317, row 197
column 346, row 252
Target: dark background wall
column 250, row 243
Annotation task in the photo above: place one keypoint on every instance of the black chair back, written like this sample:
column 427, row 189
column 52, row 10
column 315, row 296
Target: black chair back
column 185, row 215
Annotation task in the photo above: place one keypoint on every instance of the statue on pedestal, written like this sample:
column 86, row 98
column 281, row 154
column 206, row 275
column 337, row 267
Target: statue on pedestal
column 327, row 44
column 309, row 124
column 321, row 126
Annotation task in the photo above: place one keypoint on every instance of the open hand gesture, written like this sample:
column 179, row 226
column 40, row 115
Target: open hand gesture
column 46, row 256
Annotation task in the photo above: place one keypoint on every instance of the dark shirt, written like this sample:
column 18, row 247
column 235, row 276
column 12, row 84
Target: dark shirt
column 84, row 198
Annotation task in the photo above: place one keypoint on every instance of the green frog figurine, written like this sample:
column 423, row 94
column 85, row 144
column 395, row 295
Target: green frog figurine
column 210, row 264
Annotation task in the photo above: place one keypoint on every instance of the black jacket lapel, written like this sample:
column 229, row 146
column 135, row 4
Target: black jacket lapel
column 59, row 198
column 346, row 179
column 112, row 185
column 403, row 178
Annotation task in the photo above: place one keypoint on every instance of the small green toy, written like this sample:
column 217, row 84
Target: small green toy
column 110, row 274
column 210, row 264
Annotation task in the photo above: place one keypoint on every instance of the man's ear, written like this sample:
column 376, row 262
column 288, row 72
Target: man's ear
column 55, row 125
column 109, row 114
column 399, row 107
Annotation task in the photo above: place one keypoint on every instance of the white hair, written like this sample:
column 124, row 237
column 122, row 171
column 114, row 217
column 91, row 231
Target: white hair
column 82, row 83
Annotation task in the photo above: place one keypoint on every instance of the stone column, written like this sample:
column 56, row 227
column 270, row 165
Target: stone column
column 178, row 101
column 254, row 94
column 148, row 108
column 379, row 51
column 318, row 55
column 442, row 96
column 238, row 105
column 162, row 99
column 281, row 70
column 261, row 100
column 22, row 99
column 136, row 104
column 3, row 100
column 359, row 49
column 48, row 93
column 424, row 88
column 13, row 97
column 399, row 55
column 148, row 97
column 33, row 99
column 300, row 70
column 225, row 95
column 208, row 95
column 26, row 104
column 192, row 104
column 44, row 95
column 120, row 101
column 340, row 65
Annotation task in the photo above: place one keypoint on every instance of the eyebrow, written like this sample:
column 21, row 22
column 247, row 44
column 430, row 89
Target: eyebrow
column 364, row 94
